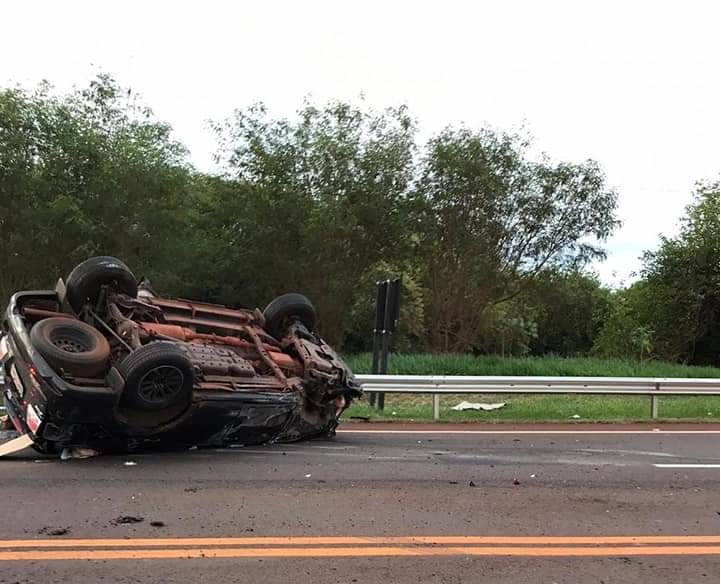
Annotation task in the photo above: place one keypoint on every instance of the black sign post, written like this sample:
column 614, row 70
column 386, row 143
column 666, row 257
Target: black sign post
column 388, row 305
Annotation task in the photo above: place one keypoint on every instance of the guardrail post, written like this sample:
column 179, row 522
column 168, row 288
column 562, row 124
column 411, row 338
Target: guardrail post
column 436, row 407
column 654, row 403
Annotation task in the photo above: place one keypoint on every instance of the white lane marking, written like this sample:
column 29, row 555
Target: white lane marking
column 686, row 465
column 632, row 452
column 517, row 432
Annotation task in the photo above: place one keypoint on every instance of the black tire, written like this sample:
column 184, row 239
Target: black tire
column 157, row 376
column 87, row 278
column 71, row 345
column 286, row 308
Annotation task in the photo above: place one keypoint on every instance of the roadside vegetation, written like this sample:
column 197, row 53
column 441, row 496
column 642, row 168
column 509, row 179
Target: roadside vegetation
column 531, row 408
column 492, row 244
column 454, row 364
column 534, row 408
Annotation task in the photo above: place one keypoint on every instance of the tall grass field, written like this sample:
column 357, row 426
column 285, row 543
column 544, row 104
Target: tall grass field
column 535, row 408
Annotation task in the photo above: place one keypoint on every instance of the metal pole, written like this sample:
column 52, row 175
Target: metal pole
column 373, row 398
column 374, row 366
column 385, row 338
column 385, row 347
column 436, row 407
column 381, row 292
column 654, row 403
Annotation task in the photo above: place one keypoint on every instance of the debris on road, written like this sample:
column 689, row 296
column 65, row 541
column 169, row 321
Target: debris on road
column 80, row 453
column 157, row 524
column 576, row 417
column 464, row 405
column 54, row 531
column 127, row 519
column 16, row 444
column 471, row 484
column 130, row 463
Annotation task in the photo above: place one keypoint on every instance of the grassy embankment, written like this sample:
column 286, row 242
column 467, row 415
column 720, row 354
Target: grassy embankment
column 532, row 408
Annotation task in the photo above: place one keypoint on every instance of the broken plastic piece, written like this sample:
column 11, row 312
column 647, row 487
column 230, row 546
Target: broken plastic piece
column 16, row 445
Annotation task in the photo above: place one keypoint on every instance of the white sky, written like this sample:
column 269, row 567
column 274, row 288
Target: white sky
column 634, row 85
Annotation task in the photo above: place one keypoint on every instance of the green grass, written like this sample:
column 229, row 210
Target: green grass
column 454, row 364
column 534, row 408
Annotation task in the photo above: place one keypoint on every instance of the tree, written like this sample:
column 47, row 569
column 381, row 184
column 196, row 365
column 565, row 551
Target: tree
column 86, row 174
column 568, row 306
column 324, row 203
column 327, row 200
column 682, row 281
column 625, row 332
column 493, row 220
column 508, row 329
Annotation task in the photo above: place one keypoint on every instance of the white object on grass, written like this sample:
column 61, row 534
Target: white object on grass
column 464, row 405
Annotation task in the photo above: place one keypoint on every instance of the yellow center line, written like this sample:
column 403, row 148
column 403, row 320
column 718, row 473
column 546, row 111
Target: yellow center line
column 320, row 552
column 362, row 540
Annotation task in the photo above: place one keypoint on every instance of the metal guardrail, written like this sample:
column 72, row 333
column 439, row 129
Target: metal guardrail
column 437, row 385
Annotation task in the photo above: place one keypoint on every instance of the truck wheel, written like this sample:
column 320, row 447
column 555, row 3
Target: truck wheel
column 87, row 279
column 157, row 376
column 286, row 308
column 71, row 345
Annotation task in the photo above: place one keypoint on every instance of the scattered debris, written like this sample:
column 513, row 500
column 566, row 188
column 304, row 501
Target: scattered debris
column 361, row 418
column 533, row 476
column 127, row 519
column 130, row 463
column 516, row 482
column 308, row 476
column 157, row 524
column 191, row 489
column 68, row 453
column 464, row 405
column 54, row 531
column 16, row 444
column 576, row 417
column 452, row 482
column 471, row 484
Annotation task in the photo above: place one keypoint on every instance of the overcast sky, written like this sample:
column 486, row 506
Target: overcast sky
column 634, row 85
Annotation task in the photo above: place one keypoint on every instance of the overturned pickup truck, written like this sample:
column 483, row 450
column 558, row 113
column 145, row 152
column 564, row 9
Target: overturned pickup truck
column 101, row 362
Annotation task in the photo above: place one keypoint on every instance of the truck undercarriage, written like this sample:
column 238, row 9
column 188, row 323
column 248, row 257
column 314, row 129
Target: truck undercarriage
column 103, row 362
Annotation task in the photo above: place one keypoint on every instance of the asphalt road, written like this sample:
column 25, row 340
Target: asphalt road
column 503, row 504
